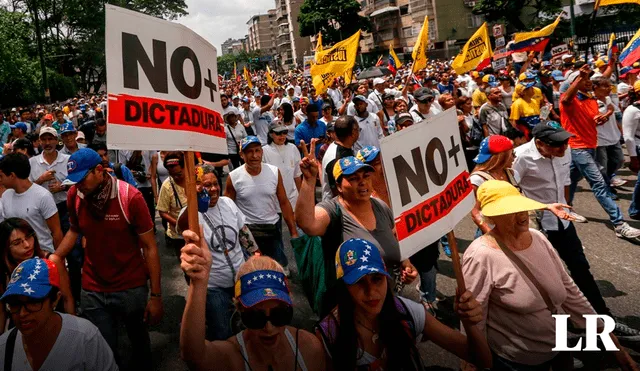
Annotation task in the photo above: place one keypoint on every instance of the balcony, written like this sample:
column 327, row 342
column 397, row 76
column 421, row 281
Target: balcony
column 374, row 5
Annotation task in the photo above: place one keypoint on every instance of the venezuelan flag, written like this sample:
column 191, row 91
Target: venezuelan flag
column 379, row 62
column 631, row 53
column 613, row 46
column 535, row 40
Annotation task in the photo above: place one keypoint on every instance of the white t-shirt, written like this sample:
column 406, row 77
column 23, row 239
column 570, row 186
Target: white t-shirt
column 287, row 159
column 261, row 122
column 608, row 133
column 79, row 346
column 256, row 195
column 631, row 129
column 371, row 107
column 35, row 205
column 370, row 132
column 507, row 96
column 147, row 158
column 300, row 116
column 39, row 166
column 329, row 155
column 376, row 98
column 238, row 133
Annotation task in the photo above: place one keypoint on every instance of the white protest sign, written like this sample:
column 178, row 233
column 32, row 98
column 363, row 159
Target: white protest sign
column 307, row 60
column 162, row 85
column 500, row 42
column 499, row 64
column 428, row 181
column 559, row 50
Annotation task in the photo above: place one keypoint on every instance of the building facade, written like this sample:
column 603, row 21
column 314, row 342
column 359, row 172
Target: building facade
column 290, row 47
column 232, row 46
column 262, row 33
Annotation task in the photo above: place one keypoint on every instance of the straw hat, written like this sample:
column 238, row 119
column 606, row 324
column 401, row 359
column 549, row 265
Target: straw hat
column 498, row 197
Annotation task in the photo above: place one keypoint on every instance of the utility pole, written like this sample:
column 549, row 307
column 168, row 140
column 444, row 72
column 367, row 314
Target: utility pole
column 36, row 21
column 573, row 16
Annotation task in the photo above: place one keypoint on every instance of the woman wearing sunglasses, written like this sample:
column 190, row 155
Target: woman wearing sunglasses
column 262, row 298
column 18, row 242
column 371, row 329
column 286, row 157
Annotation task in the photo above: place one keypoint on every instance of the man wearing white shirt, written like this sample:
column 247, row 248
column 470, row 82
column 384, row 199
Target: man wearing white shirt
column 335, row 94
column 424, row 107
column 376, row 96
column 362, row 90
column 370, row 128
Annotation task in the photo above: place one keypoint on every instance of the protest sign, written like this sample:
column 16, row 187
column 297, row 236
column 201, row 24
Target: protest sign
column 500, row 64
column 428, row 181
column 559, row 50
column 307, row 61
column 162, row 85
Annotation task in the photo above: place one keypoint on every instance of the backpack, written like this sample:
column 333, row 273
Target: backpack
column 476, row 134
column 123, row 199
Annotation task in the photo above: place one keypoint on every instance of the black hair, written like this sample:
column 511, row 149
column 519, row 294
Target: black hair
column 6, row 228
column 223, row 95
column 16, row 163
column 287, row 112
column 172, row 156
column 98, row 146
column 24, row 143
column 400, row 346
column 344, row 126
column 513, row 134
column 100, row 122
column 264, row 100
column 312, row 108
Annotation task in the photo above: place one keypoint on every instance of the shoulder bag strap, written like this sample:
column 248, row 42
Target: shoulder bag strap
column 483, row 174
column 234, row 137
column 524, row 269
column 8, row 350
column 175, row 194
column 222, row 243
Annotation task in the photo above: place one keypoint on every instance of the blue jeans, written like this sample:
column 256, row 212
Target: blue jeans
column 273, row 247
column 634, row 210
column 583, row 164
column 109, row 310
column 426, row 262
column 219, row 313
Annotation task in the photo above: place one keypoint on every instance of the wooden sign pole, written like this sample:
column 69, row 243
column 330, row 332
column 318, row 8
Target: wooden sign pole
column 455, row 257
column 192, row 194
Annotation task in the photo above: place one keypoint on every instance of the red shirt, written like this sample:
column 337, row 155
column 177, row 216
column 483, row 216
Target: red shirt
column 112, row 258
column 577, row 117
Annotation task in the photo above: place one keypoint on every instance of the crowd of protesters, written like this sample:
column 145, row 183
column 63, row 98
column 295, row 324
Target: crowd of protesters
column 78, row 237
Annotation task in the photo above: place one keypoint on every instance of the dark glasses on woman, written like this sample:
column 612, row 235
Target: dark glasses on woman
column 257, row 319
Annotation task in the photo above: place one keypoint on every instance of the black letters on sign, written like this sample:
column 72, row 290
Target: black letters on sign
column 437, row 178
column 133, row 53
column 177, row 72
column 404, row 172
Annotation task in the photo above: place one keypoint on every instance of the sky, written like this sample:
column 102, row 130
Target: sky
column 218, row 20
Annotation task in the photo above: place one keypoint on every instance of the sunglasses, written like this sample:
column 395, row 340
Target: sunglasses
column 29, row 306
column 257, row 319
column 279, row 132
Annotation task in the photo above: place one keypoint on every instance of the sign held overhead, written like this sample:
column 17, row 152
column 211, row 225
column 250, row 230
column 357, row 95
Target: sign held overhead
column 162, row 85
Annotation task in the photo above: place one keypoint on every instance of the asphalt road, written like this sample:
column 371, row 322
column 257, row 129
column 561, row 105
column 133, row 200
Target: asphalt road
column 615, row 264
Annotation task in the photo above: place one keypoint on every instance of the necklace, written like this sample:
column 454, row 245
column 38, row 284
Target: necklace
column 375, row 336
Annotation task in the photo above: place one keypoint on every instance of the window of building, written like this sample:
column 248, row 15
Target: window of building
column 407, row 32
column 404, row 10
column 386, row 35
column 474, row 21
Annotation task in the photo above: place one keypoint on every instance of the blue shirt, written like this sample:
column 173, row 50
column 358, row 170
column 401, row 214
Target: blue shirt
column 305, row 132
column 318, row 102
column 126, row 174
column 5, row 130
column 445, row 88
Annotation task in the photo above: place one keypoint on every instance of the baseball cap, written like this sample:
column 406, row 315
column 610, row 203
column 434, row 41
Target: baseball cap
column 278, row 128
column 625, row 71
column 567, row 58
column 403, row 117
column 80, row 136
column 636, row 86
column 557, row 75
column 245, row 100
column 600, row 63
column 527, row 75
column 347, row 166
column 67, row 127
column 48, row 130
column 296, row 100
column 361, row 98
column 527, row 85
column 492, row 145
column 19, row 125
column 80, row 163
column 491, row 80
column 368, row 154
column 33, row 278
column 357, row 258
column 573, row 75
column 255, row 287
column 498, row 197
column 378, row 80
column 326, row 106
column 550, row 132
column 246, row 141
column 331, row 126
column 48, row 116
column 422, row 95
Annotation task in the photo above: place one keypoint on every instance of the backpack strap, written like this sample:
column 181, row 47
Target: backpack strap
column 123, row 198
column 8, row 350
column 483, row 174
column 407, row 320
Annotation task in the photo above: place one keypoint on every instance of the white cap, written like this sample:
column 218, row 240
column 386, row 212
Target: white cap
column 48, row 130
column 378, row 80
column 567, row 56
column 80, row 136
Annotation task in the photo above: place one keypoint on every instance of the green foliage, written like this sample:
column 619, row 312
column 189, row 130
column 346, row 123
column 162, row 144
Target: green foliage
column 518, row 15
column 336, row 19
column 250, row 59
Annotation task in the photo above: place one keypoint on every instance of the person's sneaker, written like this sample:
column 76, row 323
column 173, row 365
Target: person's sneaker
column 578, row 218
column 447, row 250
column 577, row 364
column 623, row 330
column 617, row 182
column 624, row 230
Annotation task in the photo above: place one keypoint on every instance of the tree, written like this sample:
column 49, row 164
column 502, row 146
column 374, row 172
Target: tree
column 336, row 19
column 518, row 15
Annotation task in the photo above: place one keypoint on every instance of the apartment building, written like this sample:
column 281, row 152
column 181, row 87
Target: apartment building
column 290, row 46
column 262, row 32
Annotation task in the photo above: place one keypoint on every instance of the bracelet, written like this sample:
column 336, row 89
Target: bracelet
column 156, row 295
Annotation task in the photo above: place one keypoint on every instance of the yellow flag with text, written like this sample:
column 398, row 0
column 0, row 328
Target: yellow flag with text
column 614, row 2
column 270, row 82
column 334, row 62
column 248, row 78
column 474, row 52
column 419, row 53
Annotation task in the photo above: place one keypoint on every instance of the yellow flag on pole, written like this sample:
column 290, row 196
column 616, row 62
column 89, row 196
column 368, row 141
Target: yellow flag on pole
column 270, row 81
column 334, row 62
column 419, row 53
column 235, row 71
column 474, row 52
column 613, row 2
column 319, row 43
column 393, row 55
column 248, row 78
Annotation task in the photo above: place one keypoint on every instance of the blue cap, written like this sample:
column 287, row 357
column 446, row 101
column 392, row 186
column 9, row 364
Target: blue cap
column 67, row 127
column 546, row 63
column 360, row 97
column 493, row 82
column 80, row 163
column 368, row 154
column 245, row 99
column 356, row 258
column 19, row 125
column 296, row 100
column 246, row 141
column 255, row 287
column 557, row 75
column 527, row 85
column 349, row 165
column 33, row 278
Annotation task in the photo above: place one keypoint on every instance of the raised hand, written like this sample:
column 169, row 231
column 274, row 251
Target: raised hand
column 195, row 257
column 309, row 165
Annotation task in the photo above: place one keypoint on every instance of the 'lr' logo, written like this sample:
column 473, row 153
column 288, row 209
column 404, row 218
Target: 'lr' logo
column 591, row 332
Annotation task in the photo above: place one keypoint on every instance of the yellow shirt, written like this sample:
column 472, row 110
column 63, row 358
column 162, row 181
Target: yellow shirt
column 478, row 98
column 537, row 95
column 167, row 203
column 526, row 113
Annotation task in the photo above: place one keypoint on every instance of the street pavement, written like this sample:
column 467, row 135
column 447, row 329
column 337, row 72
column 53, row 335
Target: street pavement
column 615, row 264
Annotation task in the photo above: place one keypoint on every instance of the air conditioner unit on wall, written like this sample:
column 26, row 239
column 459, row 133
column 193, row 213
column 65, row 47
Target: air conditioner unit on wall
column 470, row 4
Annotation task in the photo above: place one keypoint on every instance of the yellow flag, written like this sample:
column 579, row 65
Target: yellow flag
column 270, row 81
column 614, row 2
column 474, row 52
column 348, row 76
column 393, row 55
column 419, row 53
column 319, row 44
column 334, row 62
column 235, row 71
column 248, row 78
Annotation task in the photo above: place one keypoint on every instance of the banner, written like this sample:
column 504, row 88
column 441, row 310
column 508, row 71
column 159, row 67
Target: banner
column 270, row 82
column 559, row 50
column 334, row 62
column 631, row 53
column 162, row 86
column 307, row 61
column 428, row 181
column 600, row 3
column 419, row 53
column 235, row 71
column 534, row 40
column 474, row 52
column 247, row 77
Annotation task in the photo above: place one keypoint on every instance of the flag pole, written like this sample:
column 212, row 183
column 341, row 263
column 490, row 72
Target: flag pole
column 590, row 30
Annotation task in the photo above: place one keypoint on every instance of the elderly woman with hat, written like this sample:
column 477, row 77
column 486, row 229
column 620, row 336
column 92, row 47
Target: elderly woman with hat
column 286, row 157
column 520, row 281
